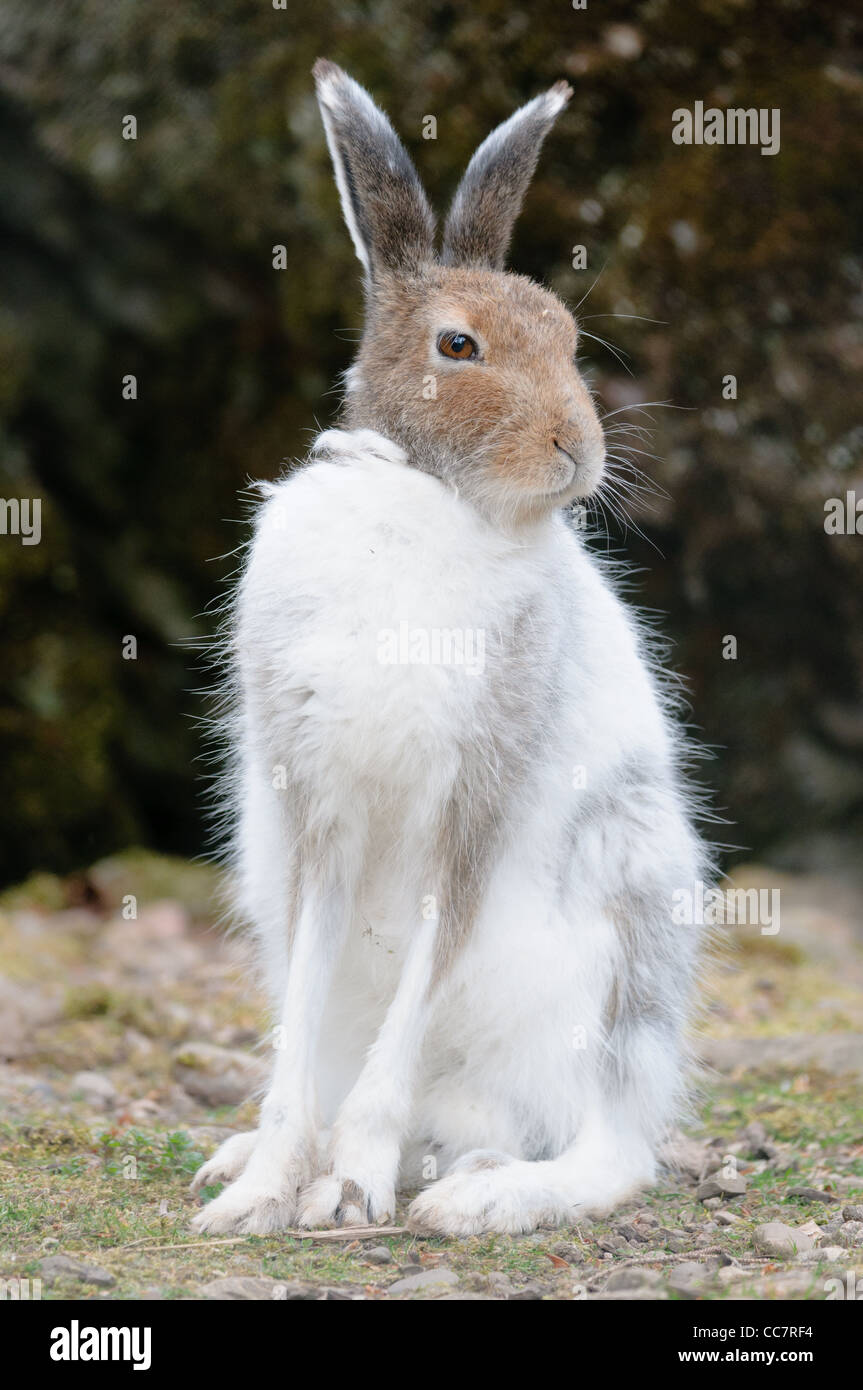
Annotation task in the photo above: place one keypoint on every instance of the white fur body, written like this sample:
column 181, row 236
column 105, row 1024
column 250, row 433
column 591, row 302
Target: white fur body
column 515, row 1050
column 460, row 870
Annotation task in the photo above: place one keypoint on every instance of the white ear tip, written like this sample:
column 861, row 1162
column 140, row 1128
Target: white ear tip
column 335, row 88
column 557, row 97
column 325, row 72
column 330, row 81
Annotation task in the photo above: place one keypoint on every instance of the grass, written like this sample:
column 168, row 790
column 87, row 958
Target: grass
column 111, row 1187
column 117, row 1196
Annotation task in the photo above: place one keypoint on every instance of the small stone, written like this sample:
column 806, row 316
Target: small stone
column 685, row 1155
column 427, row 1278
column 217, row 1075
column 64, row 1267
column 754, row 1135
column 811, row 1228
column 832, row 1252
column 96, row 1089
column 756, row 1141
column 728, row 1218
column 43, row 1089
column 779, row 1241
column 379, row 1255
column 788, row 1284
column 208, row 1137
column 611, row 1244
column 565, row 1250
column 689, row 1279
column 631, row 1233
column 464, row 1296
column 251, row 1287
column 811, row 1194
column 853, row 1213
column 719, row 1186
column 646, row 1294
column 851, row 1234
column 527, row 1293
column 808, row 1257
column 633, row 1279
column 143, row 1111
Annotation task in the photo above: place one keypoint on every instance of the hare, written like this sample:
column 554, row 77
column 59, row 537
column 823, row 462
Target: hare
column 461, row 813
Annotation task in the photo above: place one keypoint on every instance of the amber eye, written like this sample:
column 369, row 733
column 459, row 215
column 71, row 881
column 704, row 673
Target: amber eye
column 457, row 345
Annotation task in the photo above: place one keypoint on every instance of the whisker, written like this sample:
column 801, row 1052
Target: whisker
column 612, row 350
column 606, row 494
column 590, row 291
column 625, row 316
column 641, row 406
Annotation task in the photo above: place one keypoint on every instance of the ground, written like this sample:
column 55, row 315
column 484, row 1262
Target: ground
column 128, row 1038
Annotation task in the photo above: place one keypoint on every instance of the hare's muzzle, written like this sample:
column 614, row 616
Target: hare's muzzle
column 582, row 454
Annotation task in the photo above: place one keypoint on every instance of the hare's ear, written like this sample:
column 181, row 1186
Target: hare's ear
column 388, row 216
column 489, row 197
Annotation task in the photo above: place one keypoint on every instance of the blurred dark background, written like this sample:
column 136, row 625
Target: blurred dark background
column 153, row 257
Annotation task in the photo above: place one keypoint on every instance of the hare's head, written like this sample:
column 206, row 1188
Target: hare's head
column 469, row 368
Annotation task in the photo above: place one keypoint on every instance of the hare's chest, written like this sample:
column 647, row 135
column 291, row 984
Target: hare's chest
column 387, row 632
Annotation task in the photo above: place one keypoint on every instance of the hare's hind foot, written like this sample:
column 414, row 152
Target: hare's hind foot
column 486, row 1192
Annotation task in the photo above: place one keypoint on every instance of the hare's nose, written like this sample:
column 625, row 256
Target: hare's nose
column 580, row 433
column 583, row 446
column 567, row 451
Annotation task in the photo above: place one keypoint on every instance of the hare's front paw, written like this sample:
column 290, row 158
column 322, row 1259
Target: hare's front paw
column 263, row 1199
column 336, row 1201
column 249, row 1210
column 360, row 1187
column 227, row 1162
column 484, row 1193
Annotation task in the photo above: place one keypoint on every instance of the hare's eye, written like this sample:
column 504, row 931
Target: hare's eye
column 457, row 345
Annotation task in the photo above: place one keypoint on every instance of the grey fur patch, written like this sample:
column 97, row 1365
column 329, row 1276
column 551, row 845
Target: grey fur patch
column 496, row 768
column 385, row 207
column 489, row 197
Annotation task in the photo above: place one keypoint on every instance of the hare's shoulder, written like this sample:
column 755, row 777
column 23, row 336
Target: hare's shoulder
column 345, row 497
column 362, row 522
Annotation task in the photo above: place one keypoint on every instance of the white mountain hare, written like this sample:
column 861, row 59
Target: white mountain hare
column 461, row 818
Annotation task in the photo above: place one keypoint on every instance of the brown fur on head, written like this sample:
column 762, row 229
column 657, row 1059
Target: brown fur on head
column 512, row 425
